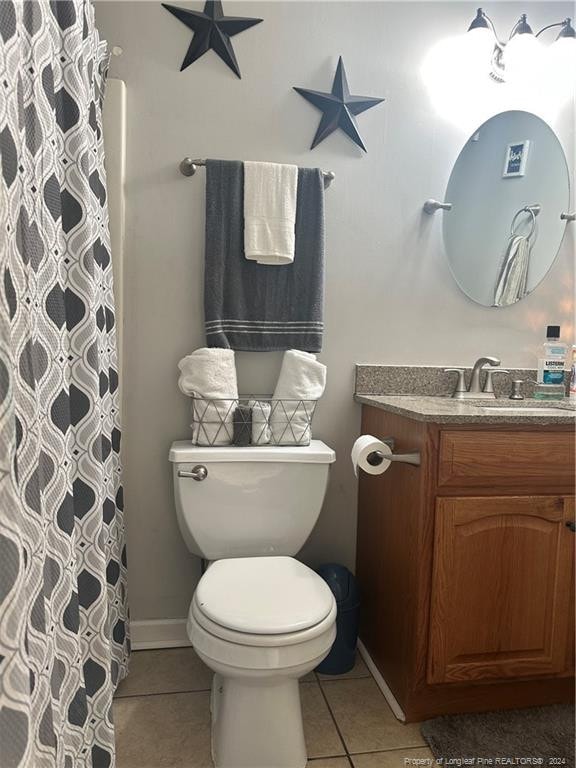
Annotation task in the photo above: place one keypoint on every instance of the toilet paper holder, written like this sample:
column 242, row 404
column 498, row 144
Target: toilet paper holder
column 377, row 457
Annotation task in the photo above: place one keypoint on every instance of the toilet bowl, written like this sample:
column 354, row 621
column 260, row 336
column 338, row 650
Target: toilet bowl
column 259, row 618
column 260, row 624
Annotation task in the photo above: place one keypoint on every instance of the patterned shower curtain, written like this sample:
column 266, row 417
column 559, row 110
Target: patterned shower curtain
column 63, row 613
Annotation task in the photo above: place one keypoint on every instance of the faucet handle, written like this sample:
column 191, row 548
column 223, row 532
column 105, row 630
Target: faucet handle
column 461, row 385
column 489, row 384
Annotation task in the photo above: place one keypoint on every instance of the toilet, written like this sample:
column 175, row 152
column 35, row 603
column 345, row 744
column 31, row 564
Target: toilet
column 259, row 618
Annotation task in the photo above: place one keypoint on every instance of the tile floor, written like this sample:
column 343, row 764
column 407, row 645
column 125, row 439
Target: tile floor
column 162, row 718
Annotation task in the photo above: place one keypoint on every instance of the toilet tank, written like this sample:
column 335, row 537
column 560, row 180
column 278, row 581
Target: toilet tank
column 260, row 500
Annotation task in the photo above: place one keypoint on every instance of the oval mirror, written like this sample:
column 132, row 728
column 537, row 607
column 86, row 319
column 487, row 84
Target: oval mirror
column 508, row 188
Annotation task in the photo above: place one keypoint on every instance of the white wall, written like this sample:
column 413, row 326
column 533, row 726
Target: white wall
column 389, row 294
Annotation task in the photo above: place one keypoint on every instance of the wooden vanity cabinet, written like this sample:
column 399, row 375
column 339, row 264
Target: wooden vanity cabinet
column 466, row 565
column 500, row 588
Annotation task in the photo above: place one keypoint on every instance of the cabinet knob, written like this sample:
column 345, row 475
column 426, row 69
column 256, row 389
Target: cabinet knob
column 571, row 525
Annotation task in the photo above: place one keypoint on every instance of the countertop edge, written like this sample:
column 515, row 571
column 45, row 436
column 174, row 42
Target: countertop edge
column 392, row 404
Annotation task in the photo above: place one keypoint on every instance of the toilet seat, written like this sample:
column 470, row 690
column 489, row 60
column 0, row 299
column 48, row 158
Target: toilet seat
column 240, row 591
column 262, row 597
column 237, row 653
column 195, row 616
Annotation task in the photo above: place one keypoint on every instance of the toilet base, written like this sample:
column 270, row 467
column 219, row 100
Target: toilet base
column 257, row 723
column 255, row 702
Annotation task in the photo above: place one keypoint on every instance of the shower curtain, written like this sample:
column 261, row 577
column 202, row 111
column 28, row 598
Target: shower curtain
column 63, row 612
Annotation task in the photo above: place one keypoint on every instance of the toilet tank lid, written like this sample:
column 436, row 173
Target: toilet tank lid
column 184, row 451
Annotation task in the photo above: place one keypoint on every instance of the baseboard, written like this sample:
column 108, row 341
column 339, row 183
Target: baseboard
column 158, row 633
column 381, row 683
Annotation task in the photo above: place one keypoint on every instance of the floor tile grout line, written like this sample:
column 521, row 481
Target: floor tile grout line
column 318, row 680
column 162, row 650
column 344, row 679
column 160, row 693
column 387, row 751
column 338, row 731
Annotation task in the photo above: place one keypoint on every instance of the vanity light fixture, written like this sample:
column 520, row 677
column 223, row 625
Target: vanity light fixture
column 482, row 21
column 522, row 27
column 475, row 74
column 522, row 53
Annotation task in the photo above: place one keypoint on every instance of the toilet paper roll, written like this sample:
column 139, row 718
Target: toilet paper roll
column 362, row 448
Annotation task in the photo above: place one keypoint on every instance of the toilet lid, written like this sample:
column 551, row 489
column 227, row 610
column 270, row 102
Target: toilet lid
column 263, row 595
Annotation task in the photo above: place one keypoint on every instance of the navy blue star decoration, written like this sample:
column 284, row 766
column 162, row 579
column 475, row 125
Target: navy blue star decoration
column 339, row 108
column 212, row 30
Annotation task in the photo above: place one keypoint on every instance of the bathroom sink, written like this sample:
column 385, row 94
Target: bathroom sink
column 527, row 410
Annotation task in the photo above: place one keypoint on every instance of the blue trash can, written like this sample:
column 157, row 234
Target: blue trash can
column 345, row 590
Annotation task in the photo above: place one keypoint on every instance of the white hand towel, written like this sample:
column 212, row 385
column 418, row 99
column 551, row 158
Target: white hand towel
column 260, row 421
column 269, row 212
column 210, row 374
column 302, row 378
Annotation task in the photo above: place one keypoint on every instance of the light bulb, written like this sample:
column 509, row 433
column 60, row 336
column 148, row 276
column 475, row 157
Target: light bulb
column 561, row 58
column 560, row 70
column 456, row 74
column 523, row 59
column 478, row 47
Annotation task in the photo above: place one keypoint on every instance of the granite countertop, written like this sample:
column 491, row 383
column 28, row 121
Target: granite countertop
column 446, row 410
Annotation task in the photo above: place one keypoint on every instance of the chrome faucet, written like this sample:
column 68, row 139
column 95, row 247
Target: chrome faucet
column 474, row 391
column 478, row 365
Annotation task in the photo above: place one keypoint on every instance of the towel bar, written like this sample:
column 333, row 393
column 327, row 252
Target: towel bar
column 188, row 167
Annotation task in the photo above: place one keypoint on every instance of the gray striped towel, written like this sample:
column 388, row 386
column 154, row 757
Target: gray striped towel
column 255, row 307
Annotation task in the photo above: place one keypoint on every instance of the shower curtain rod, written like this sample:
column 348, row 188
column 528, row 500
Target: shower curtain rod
column 188, row 167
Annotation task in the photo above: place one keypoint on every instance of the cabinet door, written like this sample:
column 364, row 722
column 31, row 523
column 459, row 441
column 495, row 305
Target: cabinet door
column 500, row 588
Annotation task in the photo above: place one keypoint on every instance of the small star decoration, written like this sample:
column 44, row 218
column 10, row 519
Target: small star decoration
column 212, row 30
column 339, row 108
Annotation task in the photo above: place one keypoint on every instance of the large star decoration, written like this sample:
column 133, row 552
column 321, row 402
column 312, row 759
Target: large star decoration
column 339, row 108
column 212, row 30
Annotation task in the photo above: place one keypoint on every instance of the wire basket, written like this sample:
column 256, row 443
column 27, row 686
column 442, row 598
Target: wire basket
column 251, row 420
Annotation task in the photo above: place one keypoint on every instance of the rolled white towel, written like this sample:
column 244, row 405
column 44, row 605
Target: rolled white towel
column 302, row 378
column 210, row 374
column 260, row 421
